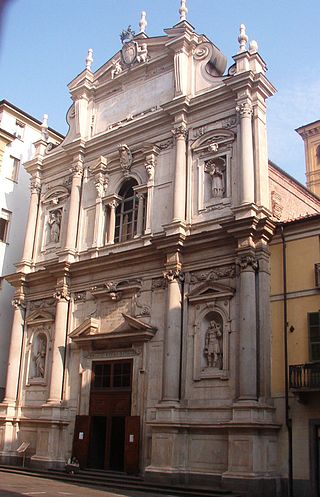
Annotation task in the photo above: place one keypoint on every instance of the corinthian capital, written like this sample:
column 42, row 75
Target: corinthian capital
column 77, row 169
column 18, row 303
column 62, row 294
column 248, row 262
column 35, row 185
column 245, row 109
column 180, row 131
column 173, row 274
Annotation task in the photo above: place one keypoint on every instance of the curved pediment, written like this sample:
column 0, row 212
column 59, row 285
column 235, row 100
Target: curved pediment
column 209, row 291
column 55, row 195
column 218, row 137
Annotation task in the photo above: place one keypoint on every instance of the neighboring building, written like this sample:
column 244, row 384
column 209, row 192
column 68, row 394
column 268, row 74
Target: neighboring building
column 295, row 306
column 18, row 132
column 145, row 274
column 310, row 133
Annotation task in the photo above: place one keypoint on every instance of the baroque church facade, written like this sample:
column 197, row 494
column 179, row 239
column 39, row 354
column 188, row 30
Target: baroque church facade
column 141, row 336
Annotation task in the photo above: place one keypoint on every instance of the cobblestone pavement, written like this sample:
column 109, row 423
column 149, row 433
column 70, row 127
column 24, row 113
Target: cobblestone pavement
column 14, row 485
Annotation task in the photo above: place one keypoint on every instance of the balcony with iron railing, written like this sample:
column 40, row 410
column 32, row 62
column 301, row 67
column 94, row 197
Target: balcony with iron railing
column 305, row 377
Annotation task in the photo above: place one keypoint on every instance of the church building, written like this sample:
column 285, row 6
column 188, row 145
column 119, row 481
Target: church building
column 141, row 339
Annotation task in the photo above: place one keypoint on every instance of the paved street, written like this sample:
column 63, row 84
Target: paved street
column 14, row 485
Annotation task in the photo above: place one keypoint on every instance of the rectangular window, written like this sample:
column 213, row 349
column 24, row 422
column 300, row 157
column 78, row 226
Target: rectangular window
column 314, row 335
column 4, row 225
column 19, row 131
column 14, row 168
column 112, row 375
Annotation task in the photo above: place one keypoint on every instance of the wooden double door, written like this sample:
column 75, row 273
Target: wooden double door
column 109, row 437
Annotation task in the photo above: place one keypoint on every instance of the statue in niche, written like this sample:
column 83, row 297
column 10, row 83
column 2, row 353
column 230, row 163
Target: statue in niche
column 216, row 169
column 54, row 222
column 39, row 358
column 213, row 346
column 125, row 158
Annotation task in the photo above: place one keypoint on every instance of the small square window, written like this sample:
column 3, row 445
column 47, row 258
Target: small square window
column 19, row 131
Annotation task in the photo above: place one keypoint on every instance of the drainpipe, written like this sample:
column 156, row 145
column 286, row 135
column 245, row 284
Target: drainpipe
column 285, row 340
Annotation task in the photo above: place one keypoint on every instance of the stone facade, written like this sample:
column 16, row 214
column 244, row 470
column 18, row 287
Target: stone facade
column 147, row 293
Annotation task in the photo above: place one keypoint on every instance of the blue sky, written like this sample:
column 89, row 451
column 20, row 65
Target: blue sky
column 44, row 45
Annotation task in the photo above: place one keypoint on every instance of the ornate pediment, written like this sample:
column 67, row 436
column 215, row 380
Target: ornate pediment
column 55, row 195
column 131, row 330
column 39, row 316
column 86, row 329
column 214, row 141
column 210, row 291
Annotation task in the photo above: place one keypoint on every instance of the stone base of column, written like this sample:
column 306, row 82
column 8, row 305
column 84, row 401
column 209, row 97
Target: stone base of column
column 245, row 210
column 24, row 267
column 252, row 411
column 176, row 227
column 67, row 255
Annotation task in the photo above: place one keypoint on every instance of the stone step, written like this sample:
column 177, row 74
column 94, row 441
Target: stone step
column 114, row 480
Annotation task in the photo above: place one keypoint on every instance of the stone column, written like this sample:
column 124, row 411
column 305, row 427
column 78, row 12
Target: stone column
column 263, row 256
column 248, row 329
column 32, row 220
column 74, row 205
column 172, row 346
column 179, row 194
column 58, row 348
column 246, row 153
column 150, row 170
column 15, row 352
column 112, row 220
column 140, row 214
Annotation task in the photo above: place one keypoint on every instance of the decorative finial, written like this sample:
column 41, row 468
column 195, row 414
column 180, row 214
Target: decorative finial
column 143, row 22
column 242, row 39
column 44, row 127
column 89, row 59
column 253, row 47
column 183, row 11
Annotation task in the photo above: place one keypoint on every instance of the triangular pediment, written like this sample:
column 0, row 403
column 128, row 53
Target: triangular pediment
column 210, row 290
column 86, row 329
column 131, row 330
column 39, row 316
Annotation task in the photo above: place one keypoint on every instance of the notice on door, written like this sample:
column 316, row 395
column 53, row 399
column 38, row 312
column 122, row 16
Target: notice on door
column 131, row 439
column 81, row 435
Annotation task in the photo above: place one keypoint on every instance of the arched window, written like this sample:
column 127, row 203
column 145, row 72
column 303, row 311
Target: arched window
column 126, row 212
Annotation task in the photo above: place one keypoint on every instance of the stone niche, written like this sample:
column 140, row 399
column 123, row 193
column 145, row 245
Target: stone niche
column 211, row 330
column 39, row 333
column 212, row 160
